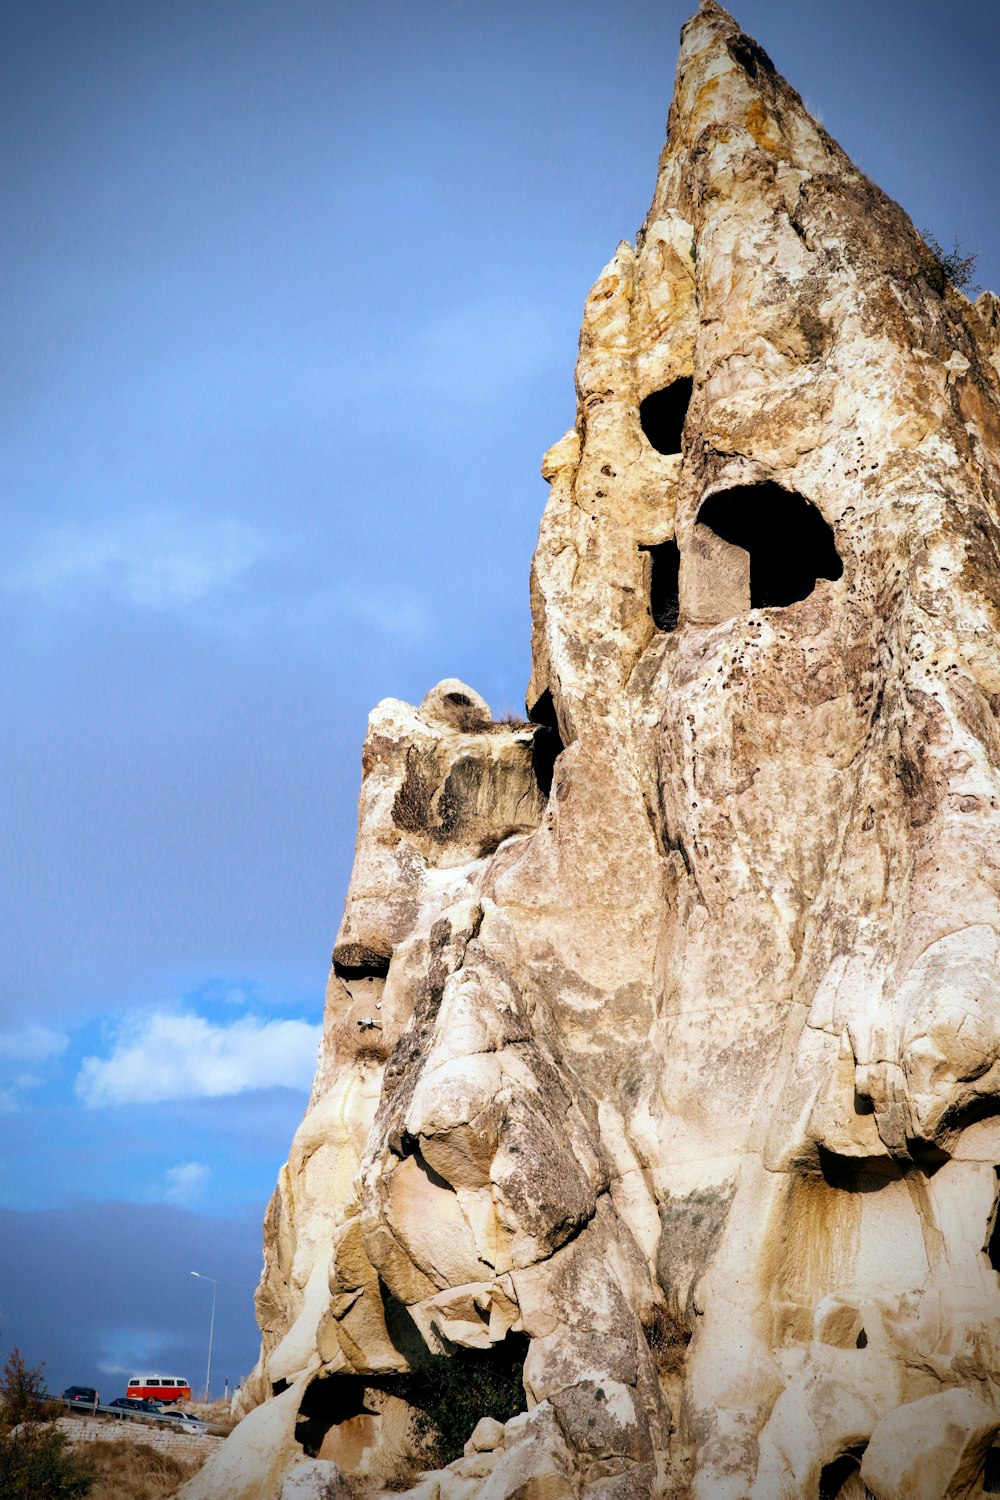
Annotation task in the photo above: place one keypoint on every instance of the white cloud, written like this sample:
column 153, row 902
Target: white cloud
column 32, row 1044
column 20, row 1053
column 125, row 1350
column 182, row 1056
column 186, row 1181
column 153, row 561
column 408, row 619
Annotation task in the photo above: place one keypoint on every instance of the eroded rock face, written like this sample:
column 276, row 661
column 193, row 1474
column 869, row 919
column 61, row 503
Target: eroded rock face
column 663, row 1038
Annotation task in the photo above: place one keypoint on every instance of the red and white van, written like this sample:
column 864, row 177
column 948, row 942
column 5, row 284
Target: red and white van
column 164, row 1388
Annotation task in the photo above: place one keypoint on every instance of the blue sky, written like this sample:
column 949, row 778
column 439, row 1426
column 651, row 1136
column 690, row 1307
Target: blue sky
column 290, row 301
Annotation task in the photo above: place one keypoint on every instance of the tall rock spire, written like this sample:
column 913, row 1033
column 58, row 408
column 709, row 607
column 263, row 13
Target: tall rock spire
column 657, row 1120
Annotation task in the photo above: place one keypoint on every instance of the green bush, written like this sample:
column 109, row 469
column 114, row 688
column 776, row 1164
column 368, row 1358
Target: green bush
column 36, row 1461
column 453, row 1393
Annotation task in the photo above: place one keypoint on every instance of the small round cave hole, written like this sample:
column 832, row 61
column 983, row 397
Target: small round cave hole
column 790, row 544
column 662, row 414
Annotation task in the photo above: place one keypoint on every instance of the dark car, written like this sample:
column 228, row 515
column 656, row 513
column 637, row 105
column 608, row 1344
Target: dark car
column 81, row 1395
column 133, row 1406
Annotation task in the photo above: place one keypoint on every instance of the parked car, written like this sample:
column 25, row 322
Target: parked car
column 81, row 1395
column 129, row 1406
column 184, row 1421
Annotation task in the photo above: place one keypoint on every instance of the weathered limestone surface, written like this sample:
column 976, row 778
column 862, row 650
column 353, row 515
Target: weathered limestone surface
column 679, row 1060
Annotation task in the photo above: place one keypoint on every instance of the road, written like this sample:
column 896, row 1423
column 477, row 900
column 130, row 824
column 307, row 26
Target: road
column 151, row 1417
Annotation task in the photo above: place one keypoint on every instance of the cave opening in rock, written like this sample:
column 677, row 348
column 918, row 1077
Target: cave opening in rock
column 353, row 961
column 927, row 1156
column 331, row 1401
column 662, row 414
column 750, row 55
column 993, row 1243
column 446, row 1396
column 991, row 1472
column 664, row 584
column 790, row 544
column 859, row 1174
column 547, row 744
column 842, row 1480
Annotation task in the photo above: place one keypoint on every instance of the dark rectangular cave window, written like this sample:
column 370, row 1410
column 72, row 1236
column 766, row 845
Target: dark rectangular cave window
column 662, row 415
column 664, row 584
column 991, row 1472
column 547, row 744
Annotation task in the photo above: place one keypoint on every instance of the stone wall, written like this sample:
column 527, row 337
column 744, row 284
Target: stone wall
column 152, row 1434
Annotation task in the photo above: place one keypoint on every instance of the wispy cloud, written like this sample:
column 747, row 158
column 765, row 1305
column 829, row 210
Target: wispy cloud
column 160, row 563
column 32, row 1044
column 126, row 1350
column 152, row 561
column 170, row 1056
column 408, row 618
column 21, row 1053
column 186, row 1182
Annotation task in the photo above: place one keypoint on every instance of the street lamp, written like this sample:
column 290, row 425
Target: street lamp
column 211, row 1328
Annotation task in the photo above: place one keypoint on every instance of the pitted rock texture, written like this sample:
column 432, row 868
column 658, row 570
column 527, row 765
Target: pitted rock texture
column 663, row 1034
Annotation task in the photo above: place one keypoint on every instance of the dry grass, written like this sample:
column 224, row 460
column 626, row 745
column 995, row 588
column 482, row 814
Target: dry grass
column 668, row 1342
column 351, row 1043
column 128, row 1470
column 511, row 719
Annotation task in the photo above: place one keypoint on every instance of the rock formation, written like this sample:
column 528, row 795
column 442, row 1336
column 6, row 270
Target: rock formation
column 657, row 1118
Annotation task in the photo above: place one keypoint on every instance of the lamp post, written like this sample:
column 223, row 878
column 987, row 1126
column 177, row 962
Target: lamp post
column 211, row 1328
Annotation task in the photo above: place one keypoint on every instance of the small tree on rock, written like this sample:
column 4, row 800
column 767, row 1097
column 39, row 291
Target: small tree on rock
column 939, row 267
